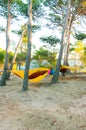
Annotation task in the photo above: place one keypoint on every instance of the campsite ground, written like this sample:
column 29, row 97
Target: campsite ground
column 60, row 107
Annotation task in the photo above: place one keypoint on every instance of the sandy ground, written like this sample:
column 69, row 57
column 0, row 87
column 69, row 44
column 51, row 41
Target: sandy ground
column 60, row 107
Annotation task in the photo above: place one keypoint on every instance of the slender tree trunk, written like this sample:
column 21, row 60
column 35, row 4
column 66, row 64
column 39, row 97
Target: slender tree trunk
column 15, row 54
column 56, row 75
column 69, row 24
column 25, row 80
column 66, row 47
column 68, row 40
column 4, row 75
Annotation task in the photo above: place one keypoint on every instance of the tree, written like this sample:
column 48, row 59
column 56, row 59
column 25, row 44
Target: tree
column 25, row 80
column 57, row 14
column 79, row 10
column 56, row 75
column 4, row 75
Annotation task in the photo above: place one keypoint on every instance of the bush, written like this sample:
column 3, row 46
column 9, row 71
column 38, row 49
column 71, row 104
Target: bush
column 2, row 55
column 21, row 56
column 10, row 56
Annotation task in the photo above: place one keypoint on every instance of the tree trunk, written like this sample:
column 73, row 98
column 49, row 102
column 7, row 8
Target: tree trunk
column 66, row 51
column 15, row 54
column 25, row 80
column 69, row 24
column 66, row 47
column 56, row 75
column 4, row 75
column 68, row 40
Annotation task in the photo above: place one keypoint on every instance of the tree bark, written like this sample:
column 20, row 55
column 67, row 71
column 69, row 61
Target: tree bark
column 27, row 65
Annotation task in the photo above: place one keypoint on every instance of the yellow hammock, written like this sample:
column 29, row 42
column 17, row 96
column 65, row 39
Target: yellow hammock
column 35, row 75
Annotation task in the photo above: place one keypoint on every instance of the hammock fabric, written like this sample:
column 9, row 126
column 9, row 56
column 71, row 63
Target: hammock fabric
column 71, row 67
column 35, row 75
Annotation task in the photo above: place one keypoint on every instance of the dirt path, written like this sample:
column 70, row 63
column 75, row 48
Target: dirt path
column 60, row 107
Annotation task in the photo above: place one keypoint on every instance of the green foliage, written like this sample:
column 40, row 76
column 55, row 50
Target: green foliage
column 2, row 56
column 35, row 27
column 14, row 7
column 49, row 3
column 51, row 40
column 83, row 57
column 45, row 55
column 56, row 18
column 22, row 8
column 72, row 47
column 37, row 9
column 80, row 36
column 21, row 56
column 10, row 56
column 17, row 32
column 2, row 29
column 36, row 4
column 58, row 11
